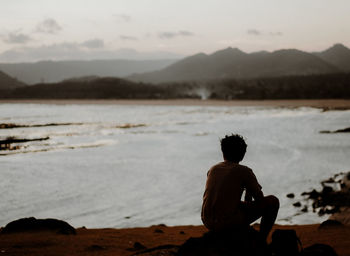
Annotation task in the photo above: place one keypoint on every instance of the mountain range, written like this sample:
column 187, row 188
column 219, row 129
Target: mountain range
column 56, row 71
column 230, row 63
column 234, row 63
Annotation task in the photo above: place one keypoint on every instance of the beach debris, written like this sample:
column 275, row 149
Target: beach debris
column 128, row 126
column 290, row 195
column 13, row 125
column 32, row 224
column 345, row 130
column 6, row 144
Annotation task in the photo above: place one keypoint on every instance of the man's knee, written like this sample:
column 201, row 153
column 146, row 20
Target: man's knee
column 272, row 202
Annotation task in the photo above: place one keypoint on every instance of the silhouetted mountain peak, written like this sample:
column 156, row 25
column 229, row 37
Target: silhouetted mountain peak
column 289, row 51
column 228, row 52
column 338, row 55
column 337, row 48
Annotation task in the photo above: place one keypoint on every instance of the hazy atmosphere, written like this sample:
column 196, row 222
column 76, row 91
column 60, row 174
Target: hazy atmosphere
column 159, row 29
column 163, row 127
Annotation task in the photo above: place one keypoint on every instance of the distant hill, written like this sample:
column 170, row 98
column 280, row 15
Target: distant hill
column 7, row 82
column 329, row 86
column 99, row 88
column 56, row 71
column 234, row 63
column 338, row 55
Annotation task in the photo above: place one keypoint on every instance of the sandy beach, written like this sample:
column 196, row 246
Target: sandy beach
column 121, row 241
column 331, row 104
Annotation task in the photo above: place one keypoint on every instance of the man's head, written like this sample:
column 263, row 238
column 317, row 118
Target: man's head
column 233, row 148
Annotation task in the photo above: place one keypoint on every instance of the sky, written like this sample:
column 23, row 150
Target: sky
column 32, row 30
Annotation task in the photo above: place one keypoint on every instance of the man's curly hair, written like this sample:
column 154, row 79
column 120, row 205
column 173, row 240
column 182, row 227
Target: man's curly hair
column 233, row 147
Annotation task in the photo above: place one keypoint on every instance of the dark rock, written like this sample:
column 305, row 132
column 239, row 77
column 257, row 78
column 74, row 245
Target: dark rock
column 345, row 130
column 157, row 230
column 290, row 195
column 235, row 242
column 137, row 247
column 297, row 204
column 304, row 209
column 314, row 194
column 285, row 242
column 330, row 223
column 327, row 190
column 330, row 180
column 32, row 224
column 181, row 232
column 318, row 250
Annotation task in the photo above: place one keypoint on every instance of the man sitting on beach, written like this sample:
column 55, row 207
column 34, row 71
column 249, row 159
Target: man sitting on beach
column 222, row 207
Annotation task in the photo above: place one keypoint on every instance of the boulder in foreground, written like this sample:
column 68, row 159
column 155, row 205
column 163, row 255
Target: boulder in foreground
column 32, row 224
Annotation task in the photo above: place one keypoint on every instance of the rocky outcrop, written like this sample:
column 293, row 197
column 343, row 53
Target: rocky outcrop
column 331, row 200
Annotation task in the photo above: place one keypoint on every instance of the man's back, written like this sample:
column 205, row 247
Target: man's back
column 222, row 207
column 225, row 184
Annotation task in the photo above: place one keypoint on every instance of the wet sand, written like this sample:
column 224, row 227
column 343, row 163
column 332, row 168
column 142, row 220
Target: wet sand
column 322, row 103
column 121, row 241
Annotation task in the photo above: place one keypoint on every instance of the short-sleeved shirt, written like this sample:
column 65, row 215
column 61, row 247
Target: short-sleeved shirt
column 225, row 184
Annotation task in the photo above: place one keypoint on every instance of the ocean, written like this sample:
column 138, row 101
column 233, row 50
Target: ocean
column 140, row 165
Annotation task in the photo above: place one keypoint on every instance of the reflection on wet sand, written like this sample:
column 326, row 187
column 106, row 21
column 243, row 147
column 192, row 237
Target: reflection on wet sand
column 77, row 146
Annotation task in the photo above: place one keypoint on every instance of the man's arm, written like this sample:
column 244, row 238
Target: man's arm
column 253, row 188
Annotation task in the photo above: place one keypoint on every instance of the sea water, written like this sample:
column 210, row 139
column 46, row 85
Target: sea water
column 135, row 165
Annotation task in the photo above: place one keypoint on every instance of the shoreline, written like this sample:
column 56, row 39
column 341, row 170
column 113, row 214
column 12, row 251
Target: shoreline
column 122, row 242
column 336, row 104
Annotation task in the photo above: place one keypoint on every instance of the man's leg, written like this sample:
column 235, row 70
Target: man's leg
column 267, row 209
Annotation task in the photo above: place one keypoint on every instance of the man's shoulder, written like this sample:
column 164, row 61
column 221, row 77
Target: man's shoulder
column 230, row 166
column 244, row 167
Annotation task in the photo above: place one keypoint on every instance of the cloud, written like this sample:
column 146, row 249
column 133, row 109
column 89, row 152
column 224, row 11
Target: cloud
column 254, row 32
column 16, row 38
column 128, row 38
column 93, row 43
column 170, row 35
column 48, row 26
column 185, row 33
column 122, row 17
column 276, row 33
column 77, row 51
